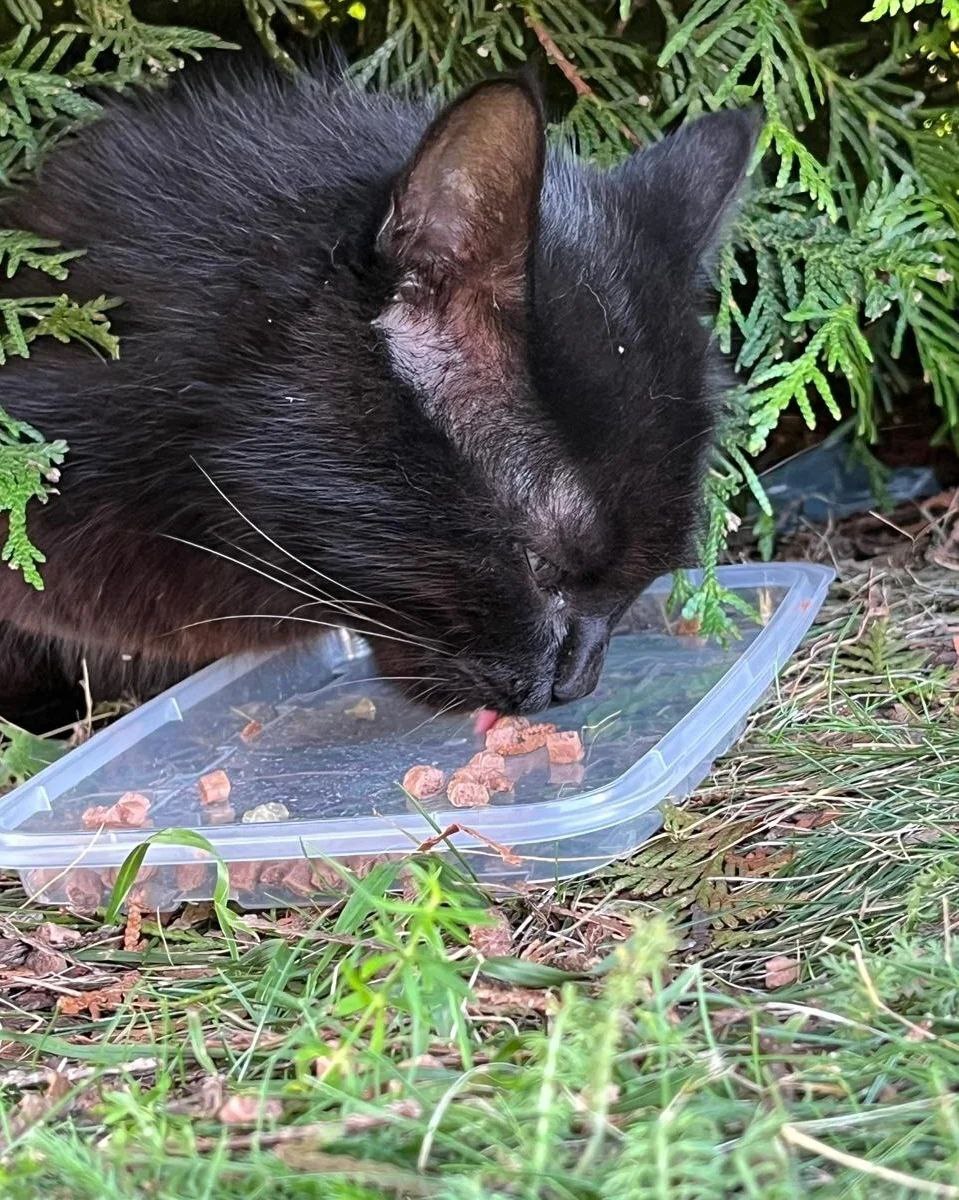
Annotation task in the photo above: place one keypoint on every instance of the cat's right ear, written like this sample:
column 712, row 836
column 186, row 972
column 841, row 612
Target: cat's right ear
column 687, row 186
column 463, row 213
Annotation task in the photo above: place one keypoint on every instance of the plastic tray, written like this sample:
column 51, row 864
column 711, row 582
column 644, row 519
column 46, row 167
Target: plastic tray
column 666, row 707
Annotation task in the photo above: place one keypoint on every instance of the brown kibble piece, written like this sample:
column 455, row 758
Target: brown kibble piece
column 299, row 877
column 487, row 760
column 362, row 864
column 274, row 872
column 251, row 731
column 129, row 812
column 505, row 732
column 108, row 876
column 515, row 735
column 489, row 769
column 423, row 781
column 191, row 876
column 214, row 787
column 535, row 737
column 84, row 889
column 132, row 808
column 564, row 746
column 466, row 791
column 41, row 878
column 244, row 875
column 102, row 999
column 293, row 874
column 325, row 878
column 149, row 897
column 97, row 815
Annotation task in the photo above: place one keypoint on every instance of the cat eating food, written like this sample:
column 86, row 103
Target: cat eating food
column 381, row 366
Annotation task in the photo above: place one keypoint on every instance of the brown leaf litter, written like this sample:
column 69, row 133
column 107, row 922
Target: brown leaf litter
column 495, row 998
column 494, row 940
column 100, row 1000
column 249, row 1109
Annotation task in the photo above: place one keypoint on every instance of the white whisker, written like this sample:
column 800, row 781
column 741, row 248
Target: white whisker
column 433, row 716
column 279, row 617
column 313, row 598
column 338, row 683
column 266, row 537
column 247, row 566
column 290, row 574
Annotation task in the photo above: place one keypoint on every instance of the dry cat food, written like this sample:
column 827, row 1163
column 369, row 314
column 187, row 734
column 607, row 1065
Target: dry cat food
column 516, row 735
column 465, row 790
column 363, row 710
column 513, row 747
column 486, row 772
column 193, row 876
column 564, row 747
column 129, row 812
column 490, row 769
column 273, row 811
column 214, row 788
column 422, row 782
column 164, row 888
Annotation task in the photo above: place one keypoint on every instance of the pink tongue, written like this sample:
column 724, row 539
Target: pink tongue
column 485, row 719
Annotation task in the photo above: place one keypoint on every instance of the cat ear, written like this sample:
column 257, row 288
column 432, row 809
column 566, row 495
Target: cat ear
column 689, row 182
column 464, row 211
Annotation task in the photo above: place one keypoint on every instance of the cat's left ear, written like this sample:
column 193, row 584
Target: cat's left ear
column 464, row 211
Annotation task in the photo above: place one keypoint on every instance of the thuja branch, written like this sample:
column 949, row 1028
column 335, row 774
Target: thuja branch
column 581, row 87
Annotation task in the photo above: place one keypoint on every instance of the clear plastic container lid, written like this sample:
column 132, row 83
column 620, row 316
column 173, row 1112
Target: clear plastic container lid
column 313, row 733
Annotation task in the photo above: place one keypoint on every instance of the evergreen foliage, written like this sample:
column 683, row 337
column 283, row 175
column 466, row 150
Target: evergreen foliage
column 838, row 294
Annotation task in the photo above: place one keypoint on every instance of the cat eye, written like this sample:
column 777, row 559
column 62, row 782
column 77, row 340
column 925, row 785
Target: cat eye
column 545, row 573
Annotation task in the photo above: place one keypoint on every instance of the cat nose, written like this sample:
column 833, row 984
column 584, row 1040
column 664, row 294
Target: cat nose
column 580, row 659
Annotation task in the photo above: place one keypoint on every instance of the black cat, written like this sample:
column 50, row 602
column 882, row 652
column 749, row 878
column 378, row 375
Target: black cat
column 407, row 372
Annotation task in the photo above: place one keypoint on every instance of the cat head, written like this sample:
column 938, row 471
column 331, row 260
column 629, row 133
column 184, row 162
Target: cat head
column 543, row 326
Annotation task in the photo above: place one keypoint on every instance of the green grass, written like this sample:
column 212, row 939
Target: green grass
column 763, row 1002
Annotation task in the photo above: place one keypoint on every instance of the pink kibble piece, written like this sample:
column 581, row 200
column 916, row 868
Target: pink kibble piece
column 129, row 812
column 504, row 735
column 564, row 746
column 489, row 769
column 466, row 791
column 423, row 781
column 214, row 788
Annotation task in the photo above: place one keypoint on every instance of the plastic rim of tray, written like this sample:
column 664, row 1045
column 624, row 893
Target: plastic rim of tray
column 650, row 781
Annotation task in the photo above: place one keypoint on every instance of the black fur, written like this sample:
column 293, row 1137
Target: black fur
column 400, row 354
